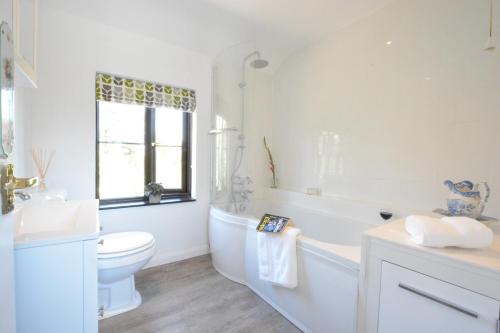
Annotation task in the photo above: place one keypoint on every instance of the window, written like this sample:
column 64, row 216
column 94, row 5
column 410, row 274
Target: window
column 137, row 145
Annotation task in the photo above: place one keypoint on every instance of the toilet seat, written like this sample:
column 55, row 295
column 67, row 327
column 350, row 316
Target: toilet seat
column 123, row 244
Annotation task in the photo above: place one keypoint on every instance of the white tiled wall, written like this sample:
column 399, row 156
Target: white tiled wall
column 388, row 123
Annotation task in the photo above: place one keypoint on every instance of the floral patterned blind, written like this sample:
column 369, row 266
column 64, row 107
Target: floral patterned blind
column 119, row 89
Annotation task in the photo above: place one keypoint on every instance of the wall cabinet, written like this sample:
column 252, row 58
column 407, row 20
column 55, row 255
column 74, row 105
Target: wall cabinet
column 411, row 302
column 25, row 17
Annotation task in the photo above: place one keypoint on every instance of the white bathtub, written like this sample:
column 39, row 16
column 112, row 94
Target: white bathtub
column 328, row 255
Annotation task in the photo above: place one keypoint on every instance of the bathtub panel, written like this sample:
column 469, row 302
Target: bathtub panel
column 227, row 245
column 325, row 299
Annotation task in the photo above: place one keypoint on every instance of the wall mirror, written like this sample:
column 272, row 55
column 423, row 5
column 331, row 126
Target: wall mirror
column 6, row 91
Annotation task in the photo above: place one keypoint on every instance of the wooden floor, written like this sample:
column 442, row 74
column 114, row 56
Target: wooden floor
column 190, row 296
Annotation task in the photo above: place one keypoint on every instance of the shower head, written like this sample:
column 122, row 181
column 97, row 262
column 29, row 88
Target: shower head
column 259, row 63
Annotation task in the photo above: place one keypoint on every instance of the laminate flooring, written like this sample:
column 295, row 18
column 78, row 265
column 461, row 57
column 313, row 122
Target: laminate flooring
column 191, row 297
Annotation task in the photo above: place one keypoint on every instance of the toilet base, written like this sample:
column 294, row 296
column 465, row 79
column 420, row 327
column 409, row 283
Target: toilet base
column 118, row 297
column 110, row 313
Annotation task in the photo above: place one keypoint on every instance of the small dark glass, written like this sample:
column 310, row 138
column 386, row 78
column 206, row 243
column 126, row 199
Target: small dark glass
column 386, row 214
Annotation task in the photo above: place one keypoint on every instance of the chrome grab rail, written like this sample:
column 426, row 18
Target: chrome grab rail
column 216, row 131
column 440, row 300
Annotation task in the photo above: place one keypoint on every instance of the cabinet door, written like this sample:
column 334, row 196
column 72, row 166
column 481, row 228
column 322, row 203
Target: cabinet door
column 411, row 302
column 49, row 289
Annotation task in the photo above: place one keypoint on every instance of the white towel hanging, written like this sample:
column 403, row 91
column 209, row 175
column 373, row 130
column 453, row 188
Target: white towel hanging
column 277, row 257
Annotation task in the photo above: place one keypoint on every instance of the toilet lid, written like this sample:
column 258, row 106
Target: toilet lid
column 123, row 242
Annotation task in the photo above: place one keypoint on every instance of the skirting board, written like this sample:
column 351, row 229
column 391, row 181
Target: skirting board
column 162, row 258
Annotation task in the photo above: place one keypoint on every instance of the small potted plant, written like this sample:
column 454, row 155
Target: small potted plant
column 154, row 192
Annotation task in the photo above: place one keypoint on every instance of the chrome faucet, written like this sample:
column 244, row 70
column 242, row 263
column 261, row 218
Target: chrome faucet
column 23, row 195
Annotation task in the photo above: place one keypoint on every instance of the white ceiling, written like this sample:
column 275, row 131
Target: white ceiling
column 277, row 27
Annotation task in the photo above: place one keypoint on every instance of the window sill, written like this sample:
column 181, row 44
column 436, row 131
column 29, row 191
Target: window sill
column 142, row 203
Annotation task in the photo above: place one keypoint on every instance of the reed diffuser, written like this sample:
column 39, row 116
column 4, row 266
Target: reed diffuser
column 271, row 163
column 42, row 160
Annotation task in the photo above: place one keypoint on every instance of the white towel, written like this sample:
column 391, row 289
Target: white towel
column 474, row 233
column 277, row 256
column 448, row 231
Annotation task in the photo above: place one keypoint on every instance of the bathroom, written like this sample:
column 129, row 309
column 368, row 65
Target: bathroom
column 364, row 122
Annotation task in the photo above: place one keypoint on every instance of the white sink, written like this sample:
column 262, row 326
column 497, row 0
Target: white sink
column 55, row 222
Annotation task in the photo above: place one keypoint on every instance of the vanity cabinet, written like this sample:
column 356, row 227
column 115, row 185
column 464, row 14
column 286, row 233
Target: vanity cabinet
column 25, row 30
column 55, row 262
column 56, row 288
column 409, row 288
column 411, row 302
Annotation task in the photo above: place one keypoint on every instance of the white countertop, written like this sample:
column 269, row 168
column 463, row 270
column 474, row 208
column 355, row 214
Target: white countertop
column 49, row 222
column 487, row 259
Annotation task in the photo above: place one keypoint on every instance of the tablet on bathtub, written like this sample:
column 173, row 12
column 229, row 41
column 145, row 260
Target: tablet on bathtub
column 273, row 223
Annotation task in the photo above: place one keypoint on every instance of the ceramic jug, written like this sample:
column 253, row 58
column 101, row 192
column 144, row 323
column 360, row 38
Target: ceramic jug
column 466, row 199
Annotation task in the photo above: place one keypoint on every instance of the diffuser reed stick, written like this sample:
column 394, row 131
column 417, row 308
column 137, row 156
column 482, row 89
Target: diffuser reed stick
column 42, row 160
column 271, row 163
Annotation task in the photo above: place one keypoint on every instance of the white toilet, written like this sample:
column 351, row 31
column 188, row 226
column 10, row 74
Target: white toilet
column 120, row 255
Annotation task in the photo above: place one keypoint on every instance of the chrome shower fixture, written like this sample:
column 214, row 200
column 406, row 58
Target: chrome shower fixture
column 258, row 63
column 217, row 131
column 239, row 193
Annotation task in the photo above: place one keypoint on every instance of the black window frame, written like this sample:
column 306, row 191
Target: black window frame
column 170, row 195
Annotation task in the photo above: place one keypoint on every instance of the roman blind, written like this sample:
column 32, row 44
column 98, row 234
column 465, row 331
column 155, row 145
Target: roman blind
column 120, row 89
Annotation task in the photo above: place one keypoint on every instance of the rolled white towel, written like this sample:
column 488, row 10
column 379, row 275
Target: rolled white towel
column 474, row 233
column 429, row 231
column 448, row 231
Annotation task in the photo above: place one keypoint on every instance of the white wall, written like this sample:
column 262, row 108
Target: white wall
column 62, row 117
column 6, row 11
column 21, row 154
column 388, row 123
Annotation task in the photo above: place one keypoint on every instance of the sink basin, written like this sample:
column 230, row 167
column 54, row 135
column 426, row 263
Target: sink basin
column 55, row 222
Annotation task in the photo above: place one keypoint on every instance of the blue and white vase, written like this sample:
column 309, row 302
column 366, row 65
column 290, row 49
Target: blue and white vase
column 465, row 198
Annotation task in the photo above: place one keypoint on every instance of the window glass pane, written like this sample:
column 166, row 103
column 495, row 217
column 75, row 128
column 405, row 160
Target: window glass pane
column 121, row 170
column 169, row 127
column 121, row 122
column 169, row 166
